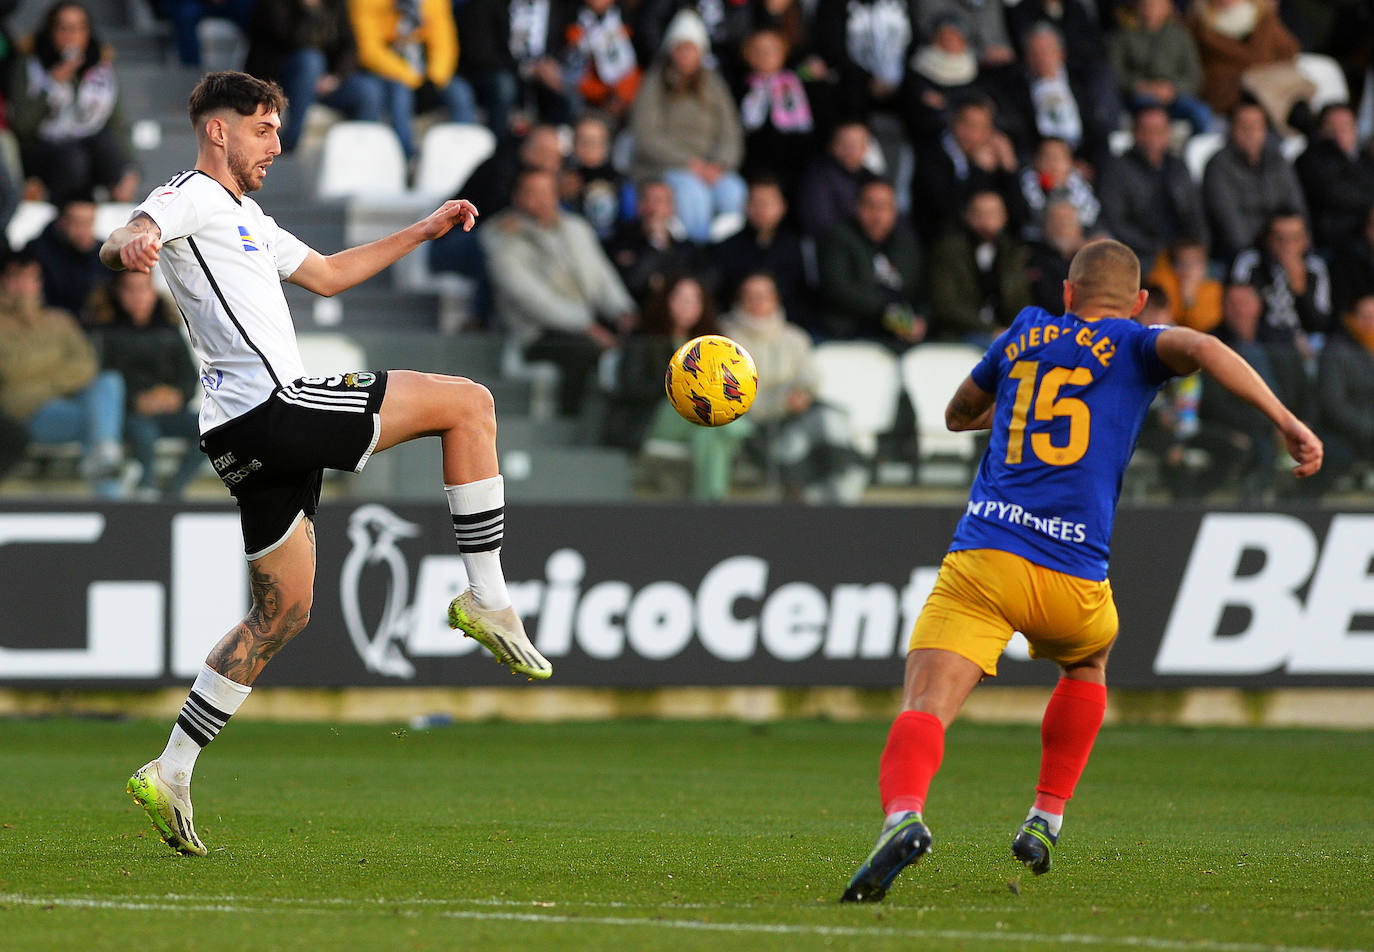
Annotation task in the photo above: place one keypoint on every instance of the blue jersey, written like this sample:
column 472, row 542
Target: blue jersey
column 1071, row 397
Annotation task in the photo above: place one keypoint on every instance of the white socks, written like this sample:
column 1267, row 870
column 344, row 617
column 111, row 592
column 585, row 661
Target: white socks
column 1055, row 820
column 212, row 701
column 479, row 525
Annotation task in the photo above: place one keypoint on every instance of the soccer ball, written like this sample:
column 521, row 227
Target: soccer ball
column 711, row 380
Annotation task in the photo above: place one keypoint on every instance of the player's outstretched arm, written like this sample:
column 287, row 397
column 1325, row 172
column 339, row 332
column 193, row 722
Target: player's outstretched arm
column 134, row 246
column 327, row 275
column 970, row 408
column 1185, row 351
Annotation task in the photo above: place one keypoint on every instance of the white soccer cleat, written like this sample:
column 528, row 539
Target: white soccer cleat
column 502, row 633
column 169, row 810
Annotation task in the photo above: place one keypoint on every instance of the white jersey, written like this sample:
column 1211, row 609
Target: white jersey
column 224, row 261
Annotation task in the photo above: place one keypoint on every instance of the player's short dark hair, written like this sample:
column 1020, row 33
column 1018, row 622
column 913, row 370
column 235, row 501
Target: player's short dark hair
column 240, row 92
column 1105, row 272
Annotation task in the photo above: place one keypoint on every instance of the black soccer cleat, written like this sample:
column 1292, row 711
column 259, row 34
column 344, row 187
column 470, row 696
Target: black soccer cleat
column 897, row 849
column 1033, row 844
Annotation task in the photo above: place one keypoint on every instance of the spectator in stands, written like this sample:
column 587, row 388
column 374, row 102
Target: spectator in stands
column 726, row 24
column 650, row 247
column 1148, row 197
column 774, row 110
column 1233, row 37
column 1345, row 386
column 687, row 131
column 589, row 183
column 50, row 379
column 972, row 155
column 986, row 23
column 307, row 46
column 599, row 59
column 1352, row 268
column 1194, row 295
column 1053, row 177
column 65, row 111
column 537, row 32
column 1239, row 438
column 682, row 310
column 870, row 275
column 807, row 440
column 186, row 15
column 1295, row 287
column 864, row 44
column 140, row 339
column 1156, row 63
column 1247, row 182
column 1171, row 423
column 1337, row 177
column 1050, row 256
column 559, row 296
column 765, row 244
column 488, row 63
column 405, row 46
column 979, row 278
column 1083, row 45
column 829, row 190
column 68, row 253
column 1048, row 102
column 489, row 188
column 942, row 72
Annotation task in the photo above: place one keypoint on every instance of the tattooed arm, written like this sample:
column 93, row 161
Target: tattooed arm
column 134, row 246
column 970, row 408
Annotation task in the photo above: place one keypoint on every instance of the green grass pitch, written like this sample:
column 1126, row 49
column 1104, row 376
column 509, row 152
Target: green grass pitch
column 653, row 835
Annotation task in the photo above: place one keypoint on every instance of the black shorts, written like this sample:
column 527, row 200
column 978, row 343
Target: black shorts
column 273, row 457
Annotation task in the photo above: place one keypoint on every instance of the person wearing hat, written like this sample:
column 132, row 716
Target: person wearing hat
column 687, row 130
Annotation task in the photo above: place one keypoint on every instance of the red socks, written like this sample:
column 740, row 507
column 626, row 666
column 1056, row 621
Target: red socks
column 1072, row 719
column 915, row 747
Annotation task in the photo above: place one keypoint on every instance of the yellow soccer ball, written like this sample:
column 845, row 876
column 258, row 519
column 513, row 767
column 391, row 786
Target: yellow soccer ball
column 711, row 380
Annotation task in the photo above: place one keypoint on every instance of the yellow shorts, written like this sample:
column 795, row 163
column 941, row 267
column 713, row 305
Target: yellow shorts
column 982, row 596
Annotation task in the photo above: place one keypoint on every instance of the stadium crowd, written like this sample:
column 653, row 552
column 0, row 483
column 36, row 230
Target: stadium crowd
column 894, row 171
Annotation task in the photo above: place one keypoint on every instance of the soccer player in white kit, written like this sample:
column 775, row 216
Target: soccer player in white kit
column 270, row 430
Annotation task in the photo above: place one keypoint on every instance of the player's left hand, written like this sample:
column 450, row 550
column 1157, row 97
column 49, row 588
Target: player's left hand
column 1304, row 447
column 458, row 211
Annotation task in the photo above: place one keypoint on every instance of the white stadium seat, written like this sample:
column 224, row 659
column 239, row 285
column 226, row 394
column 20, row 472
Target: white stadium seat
column 1199, row 149
column 860, row 378
column 111, row 215
column 931, row 373
column 324, row 354
column 1326, row 74
column 448, row 154
column 361, row 159
column 29, row 220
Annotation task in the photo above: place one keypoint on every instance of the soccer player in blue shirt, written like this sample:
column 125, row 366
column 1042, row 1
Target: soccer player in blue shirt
column 1064, row 398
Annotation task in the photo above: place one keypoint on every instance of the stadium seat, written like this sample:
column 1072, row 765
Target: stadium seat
column 361, row 158
column 111, row 215
column 1326, row 74
column 323, row 354
column 1119, row 141
column 1199, row 149
column 448, row 154
column 724, row 225
column 931, row 373
column 29, row 220
column 860, row 378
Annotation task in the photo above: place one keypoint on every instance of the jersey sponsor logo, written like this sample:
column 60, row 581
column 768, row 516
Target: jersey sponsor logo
column 1055, row 527
column 249, row 242
column 228, row 469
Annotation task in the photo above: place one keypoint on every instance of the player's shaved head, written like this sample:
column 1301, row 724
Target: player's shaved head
column 1105, row 274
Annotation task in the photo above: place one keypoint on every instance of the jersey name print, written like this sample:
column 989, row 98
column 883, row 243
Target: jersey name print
column 224, row 260
column 1071, row 396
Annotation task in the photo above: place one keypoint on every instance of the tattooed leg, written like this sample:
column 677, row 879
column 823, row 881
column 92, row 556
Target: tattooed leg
column 282, row 583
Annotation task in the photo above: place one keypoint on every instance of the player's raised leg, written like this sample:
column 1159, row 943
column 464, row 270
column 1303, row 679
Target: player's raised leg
column 1067, row 732
column 281, row 582
column 461, row 413
column 937, row 683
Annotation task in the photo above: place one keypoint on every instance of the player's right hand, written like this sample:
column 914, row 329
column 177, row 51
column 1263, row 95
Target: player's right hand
column 140, row 252
column 1304, row 447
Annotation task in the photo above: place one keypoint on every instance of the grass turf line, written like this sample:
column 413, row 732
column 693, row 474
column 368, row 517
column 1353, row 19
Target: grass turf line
column 653, row 835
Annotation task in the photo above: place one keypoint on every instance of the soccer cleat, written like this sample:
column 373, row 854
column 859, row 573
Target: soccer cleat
column 169, row 811
column 1033, row 844
column 897, row 848
column 501, row 633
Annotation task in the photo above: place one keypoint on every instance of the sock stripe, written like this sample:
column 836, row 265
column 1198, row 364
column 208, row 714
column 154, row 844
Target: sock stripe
column 211, row 713
column 469, row 518
column 192, row 731
column 206, row 727
column 480, row 535
column 480, row 531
